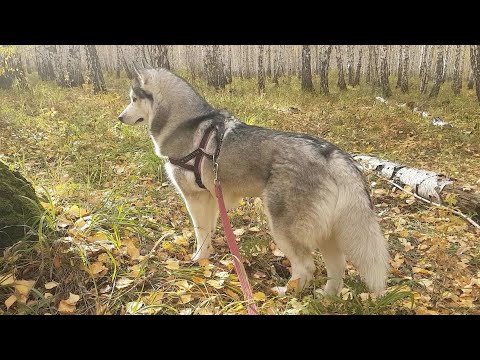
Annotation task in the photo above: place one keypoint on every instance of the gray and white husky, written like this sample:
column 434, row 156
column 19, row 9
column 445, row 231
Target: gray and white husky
column 314, row 195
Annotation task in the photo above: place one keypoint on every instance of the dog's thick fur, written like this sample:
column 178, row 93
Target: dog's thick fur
column 314, row 195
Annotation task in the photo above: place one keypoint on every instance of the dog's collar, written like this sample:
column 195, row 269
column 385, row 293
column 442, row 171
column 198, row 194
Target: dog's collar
column 199, row 153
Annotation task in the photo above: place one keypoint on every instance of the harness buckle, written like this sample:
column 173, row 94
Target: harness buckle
column 215, row 167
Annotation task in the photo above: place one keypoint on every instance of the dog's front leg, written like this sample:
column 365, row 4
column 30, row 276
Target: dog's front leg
column 203, row 210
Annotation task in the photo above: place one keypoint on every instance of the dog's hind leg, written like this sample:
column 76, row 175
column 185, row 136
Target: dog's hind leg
column 204, row 213
column 294, row 248
column 334, row 260
column 299, row 256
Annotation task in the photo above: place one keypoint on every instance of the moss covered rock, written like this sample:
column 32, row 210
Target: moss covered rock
column 19, row 207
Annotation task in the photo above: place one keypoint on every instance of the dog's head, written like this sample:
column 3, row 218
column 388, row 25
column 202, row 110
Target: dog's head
column 141, row 98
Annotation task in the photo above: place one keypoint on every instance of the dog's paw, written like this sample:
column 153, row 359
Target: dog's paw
column 200, row 255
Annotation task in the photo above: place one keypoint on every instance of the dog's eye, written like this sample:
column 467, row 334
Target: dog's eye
column 134, row 99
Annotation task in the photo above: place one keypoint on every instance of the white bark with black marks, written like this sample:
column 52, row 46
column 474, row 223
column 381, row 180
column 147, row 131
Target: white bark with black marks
column 341, row 77
column 457, row 75
column 426, row 184
column 306, row 69
column 386, row 91
column 438, row 72
column 475, row 64
column 260, row 72
column 405, row 69
column 324, row 64
column 96, row 74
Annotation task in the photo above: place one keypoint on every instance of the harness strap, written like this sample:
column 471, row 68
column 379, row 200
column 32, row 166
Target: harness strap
column 199, row 153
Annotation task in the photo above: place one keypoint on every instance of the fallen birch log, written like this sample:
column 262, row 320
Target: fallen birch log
column 434, row 187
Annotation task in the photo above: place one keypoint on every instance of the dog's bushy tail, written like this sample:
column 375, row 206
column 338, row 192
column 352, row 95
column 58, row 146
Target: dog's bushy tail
column 363, row 243
column 358, row 233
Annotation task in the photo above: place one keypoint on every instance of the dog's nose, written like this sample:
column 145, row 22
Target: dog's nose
column 120, row 118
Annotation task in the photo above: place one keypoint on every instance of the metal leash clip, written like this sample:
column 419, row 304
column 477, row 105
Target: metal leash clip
column 215, row 168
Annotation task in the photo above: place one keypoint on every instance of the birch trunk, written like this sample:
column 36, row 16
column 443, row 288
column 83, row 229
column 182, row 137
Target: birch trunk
column 306, row 73
column 324, row 64
column 386, row 91
column 96, row 75
column 475, row 63
column 438, row 72
column 260, row 72
column 457, row 76
column 423, row 70
column 341, row 77
column 405, row 64
column 426, row 184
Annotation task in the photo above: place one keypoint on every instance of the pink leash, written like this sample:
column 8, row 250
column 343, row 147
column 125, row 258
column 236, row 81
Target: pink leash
column 232, row 244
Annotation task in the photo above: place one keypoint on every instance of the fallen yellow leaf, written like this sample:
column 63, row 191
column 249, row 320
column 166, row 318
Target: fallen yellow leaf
column 217, row 284
column 23, row 287
column 172, row 264
column 7, row 279
column 167, row 246
column 77, row 211
column 97, row 267
column 417, row 270
column 203, row 262
column 184, row 299
column 72, row 299
column 135, row 270
column 66, row 308
column 132, row 250
column 259, row 296
column 123, row 282
column 254, row 229
column 293, row 284
column 103, row 258
column 239, row 232
column 180, row 240
column 51, row 285
column 183, row 284
column 134, row 306
column 80, row 223
column 10, row 301
column 424, row 311
column 233, row 294
column 98, row 236
column 204, row 311
column 198, row 280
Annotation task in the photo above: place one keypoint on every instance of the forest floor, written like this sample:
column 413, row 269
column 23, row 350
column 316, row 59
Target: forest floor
column 117, row 239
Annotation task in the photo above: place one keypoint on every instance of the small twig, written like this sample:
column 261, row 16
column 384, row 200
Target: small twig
column 456, row 212
column 158, row 242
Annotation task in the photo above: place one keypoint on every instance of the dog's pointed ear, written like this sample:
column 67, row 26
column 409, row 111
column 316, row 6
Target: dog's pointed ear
column 140, row 73
column 136, row 71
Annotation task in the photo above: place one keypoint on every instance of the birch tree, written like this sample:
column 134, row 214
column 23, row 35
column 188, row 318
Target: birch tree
column 356, row 80
column 260, row 72
column 341, row 77
column 438, row 72
column 74, row 69
column 350, row 66
column 95, row 72
column 306, row 69
column 405, row 64
column 386, row 91
column 399, row 67
column 324, row 63
column 424, row 69
column 457, row 76
column 475, row 63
